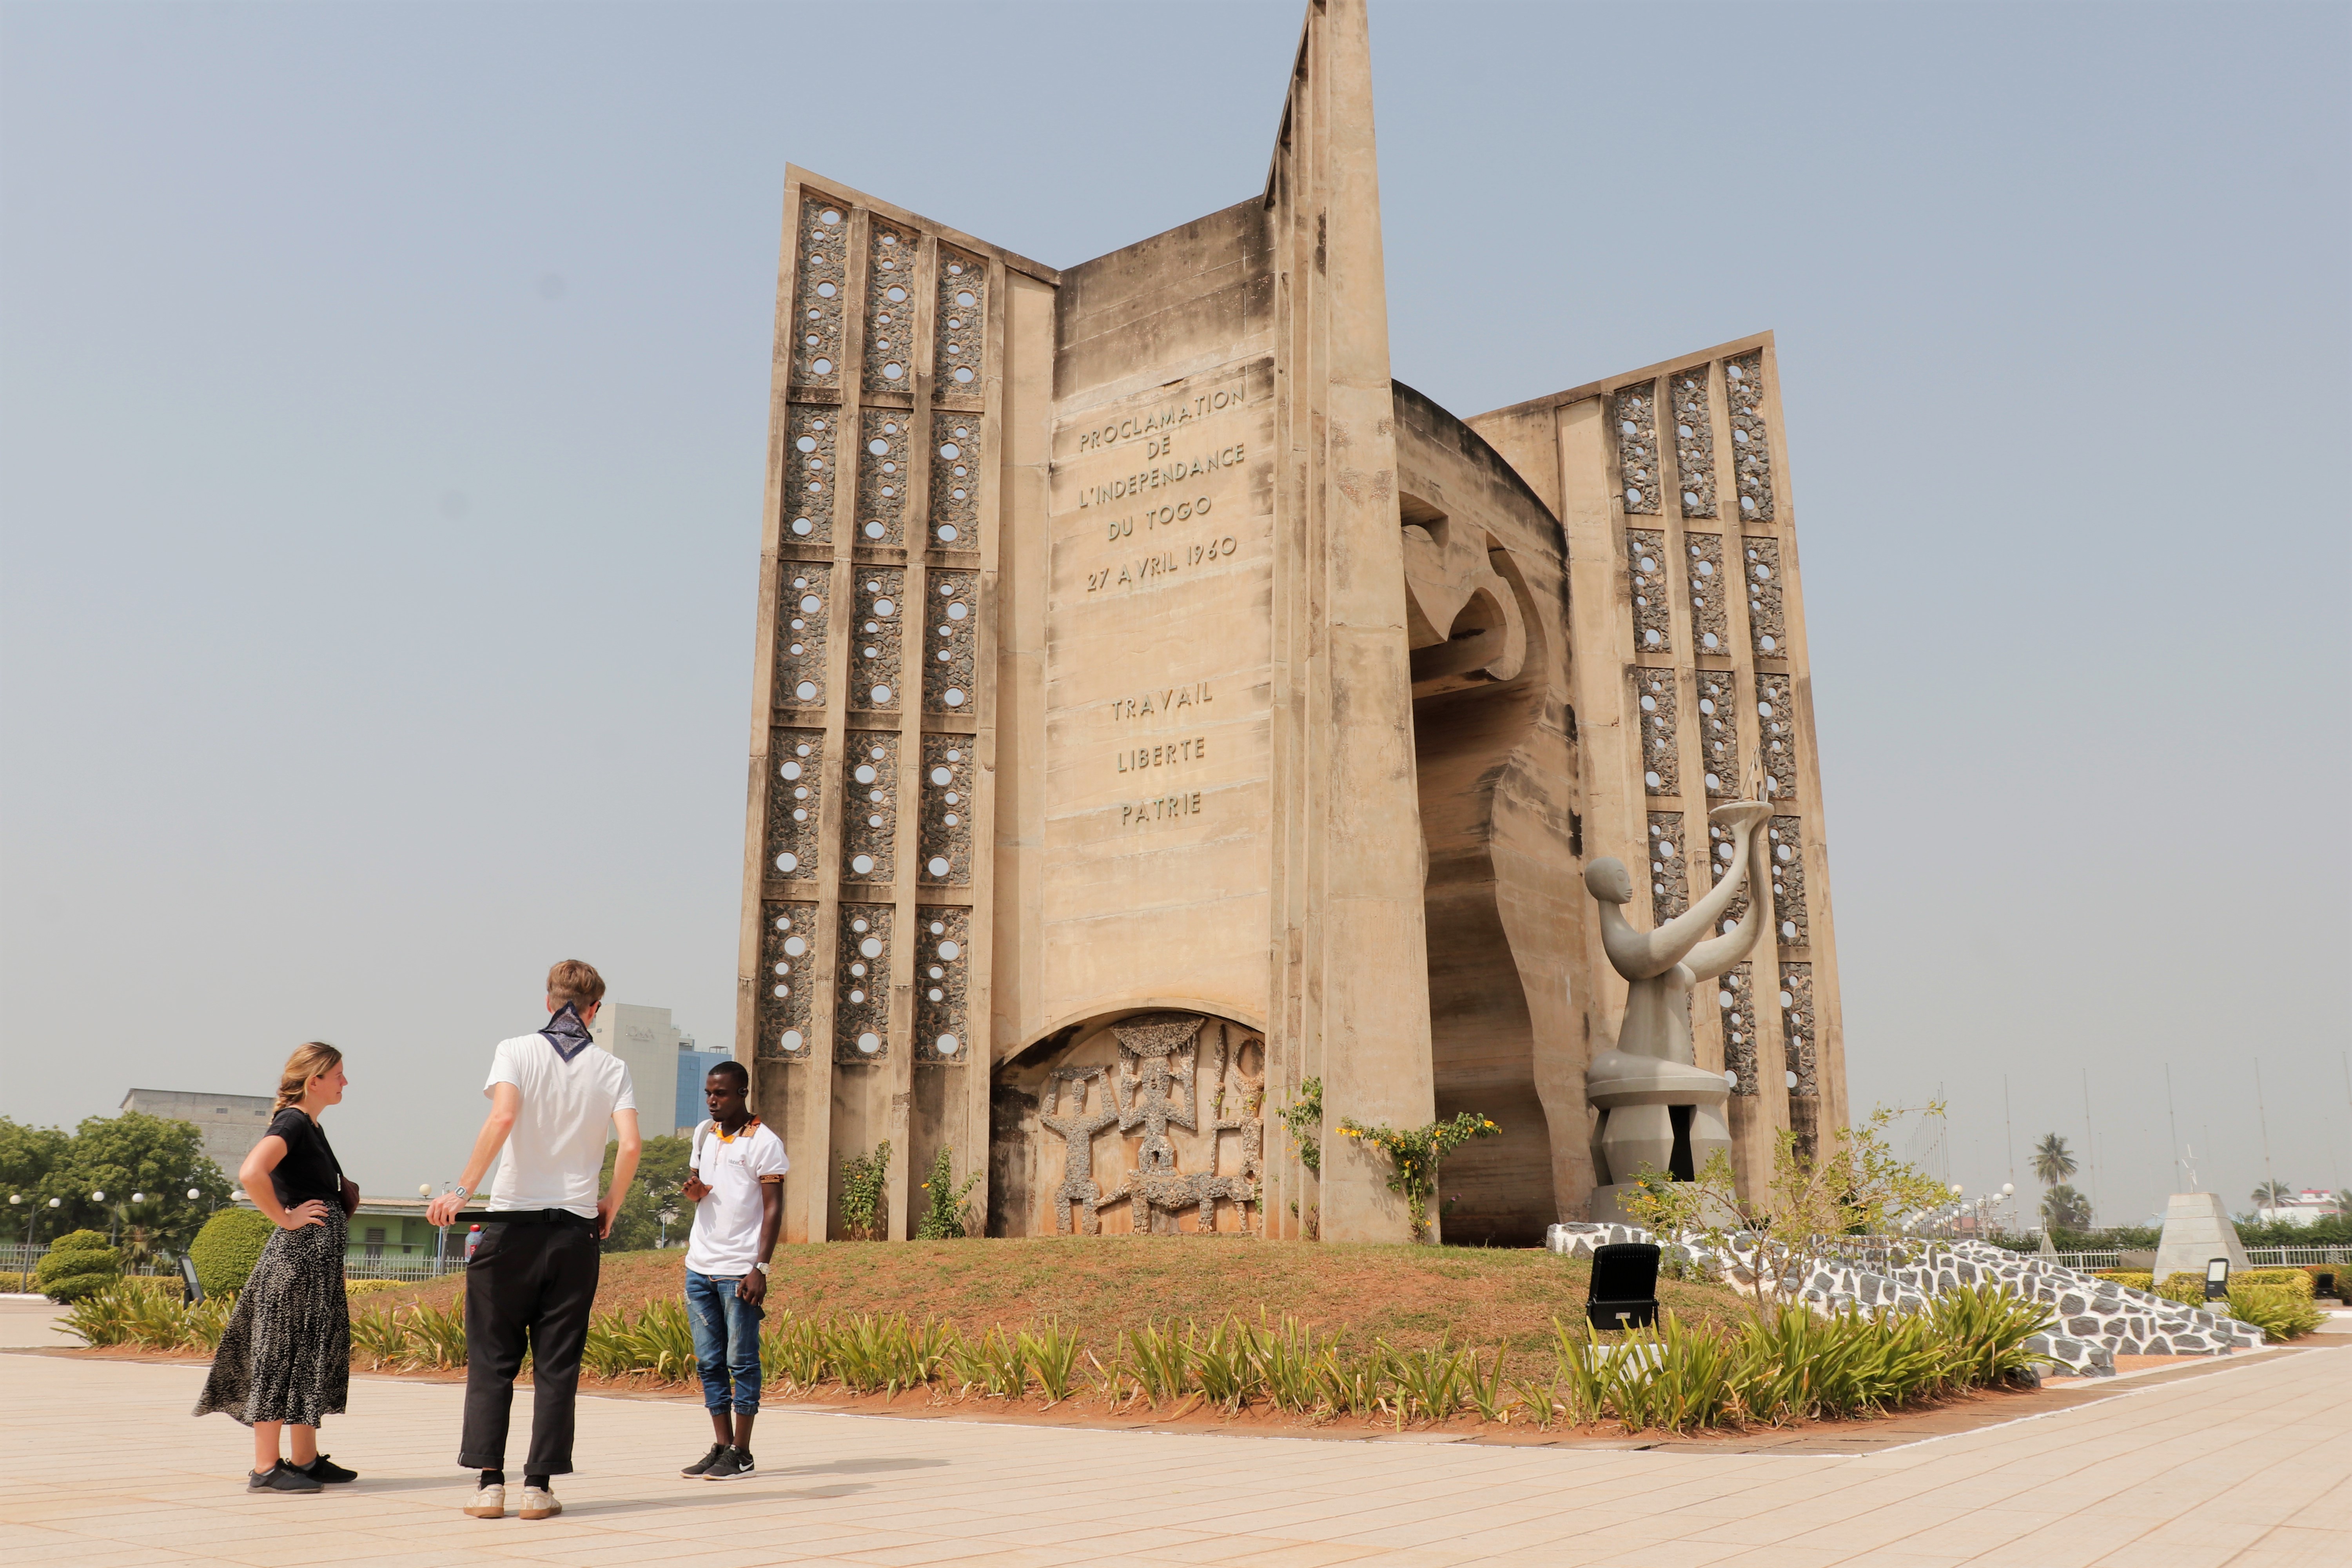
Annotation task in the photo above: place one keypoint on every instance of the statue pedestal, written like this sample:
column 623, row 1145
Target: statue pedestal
column 1654, row 1115
column 2196, row 1229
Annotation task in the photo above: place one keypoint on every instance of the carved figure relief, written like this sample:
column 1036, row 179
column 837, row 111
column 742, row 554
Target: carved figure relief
column 1645, row 555
column 958, row 335
column 861, row 984
column 1463, row 620
column 816, row 309
column 809, row 473
column 1654, row 698
column 944, row 836
column 793, row 802
column 788, row 973
column 955, row 481
column 1669, row 879
column 885, row 445
column 1185, row 1165
column 1710, row 626
column 951, row 637
column 1743, row 389
column 1719, row 747
column 1768, row 627
column 800, row 646
column 869, row 815
column 1637, row 447
column 889, row 309
column 942, row 965
column 1694, row 442
column 875, row 650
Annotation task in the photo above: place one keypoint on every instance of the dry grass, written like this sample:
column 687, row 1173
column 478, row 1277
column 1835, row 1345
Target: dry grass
column 1100, row 1285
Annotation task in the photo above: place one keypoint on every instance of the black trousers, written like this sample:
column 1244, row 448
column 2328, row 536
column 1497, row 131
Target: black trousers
column 527, row 1286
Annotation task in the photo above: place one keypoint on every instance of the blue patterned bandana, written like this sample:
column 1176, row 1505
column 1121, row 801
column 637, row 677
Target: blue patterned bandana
column 566, row 1033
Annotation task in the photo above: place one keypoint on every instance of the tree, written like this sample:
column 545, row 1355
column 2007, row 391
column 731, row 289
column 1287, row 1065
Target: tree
column 27, row 1154
column 2270, row 1194
column 2063, row 1208
column 155, row 1157
column 2053, row 1161
column 661, row 1172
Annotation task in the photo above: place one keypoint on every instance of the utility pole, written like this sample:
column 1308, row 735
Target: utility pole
column 2175, row 1123
column 2262, row 1111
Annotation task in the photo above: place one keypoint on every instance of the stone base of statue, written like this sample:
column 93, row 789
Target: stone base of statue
column 2196, row 1230
column 1654, row 1115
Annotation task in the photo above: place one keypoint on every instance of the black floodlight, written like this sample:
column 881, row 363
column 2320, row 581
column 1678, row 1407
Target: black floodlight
column 1624, row 1286
column 2217, row 1279
column 2323, row 1283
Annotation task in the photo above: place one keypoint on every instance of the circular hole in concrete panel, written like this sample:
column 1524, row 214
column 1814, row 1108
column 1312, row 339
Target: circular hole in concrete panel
column 954, row 756
column 941, row 777
column 884, row 607
column 1714, row 785
column 1711, row 641
column 791, row 770
column 958, row 610
column 857, row 924
column 938, row 867
column 1731, row 1079
column 879, row 446
column 950, row 952
column 1632, row 498
column 1646, row 564
column 870, row 1042
column 966, row 297
column 857, row 995
column 802, row 751
column 896, row 292
column 822, row 367
column 1650, row 780
column 791, row 1040
column 952, row 697
column 893, row 371
column 801, row 526
column 1724, row 998
column 1649, row 639
column 1649, row 705
column 828, row 217
column 963, row 374
column 865, row 774
column 806, row 443
column 805, row 691
column 1789, row 1079
column 873, row 530
column 939, row 928
column 781, row 991
column 795, row 946
column 881, row 695
column 788, row 861
column 949, row 451
column 947, row 533
column 871, row 947
column 948, row 1044
column 825, row 290
column 1789, row 931
column 862, row 864
column 811, row 604
column 1767, row 643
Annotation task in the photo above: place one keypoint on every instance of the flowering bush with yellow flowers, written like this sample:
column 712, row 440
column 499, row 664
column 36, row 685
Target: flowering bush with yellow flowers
column 1414, row 1154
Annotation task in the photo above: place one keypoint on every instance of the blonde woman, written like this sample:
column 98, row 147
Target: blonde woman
column 285, row 1360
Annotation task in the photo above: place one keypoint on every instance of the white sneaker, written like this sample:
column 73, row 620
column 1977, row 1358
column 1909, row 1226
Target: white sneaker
column 538, row 1503
column 490, row 1502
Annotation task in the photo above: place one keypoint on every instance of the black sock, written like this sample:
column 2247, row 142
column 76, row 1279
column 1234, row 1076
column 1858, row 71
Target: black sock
column 494, row 1478
column 539, row 1481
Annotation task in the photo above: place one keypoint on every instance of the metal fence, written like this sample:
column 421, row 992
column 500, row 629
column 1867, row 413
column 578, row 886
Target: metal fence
column 15, row 1258
column 2256, row 1257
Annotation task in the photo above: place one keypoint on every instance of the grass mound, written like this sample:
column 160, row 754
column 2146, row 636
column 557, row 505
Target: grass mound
column 1104, row 1286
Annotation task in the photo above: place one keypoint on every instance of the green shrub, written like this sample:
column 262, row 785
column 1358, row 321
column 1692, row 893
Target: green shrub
column 78, row 1265
column 2136, row 1278
column 2185, row 1287
column 2298, row 1280
column 229, row 1247
column 2278, row 1311
column 864, row 1178
column 946, row 1212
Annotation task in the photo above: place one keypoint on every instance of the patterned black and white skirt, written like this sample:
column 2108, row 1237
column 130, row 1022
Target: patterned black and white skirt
column 286, row 1355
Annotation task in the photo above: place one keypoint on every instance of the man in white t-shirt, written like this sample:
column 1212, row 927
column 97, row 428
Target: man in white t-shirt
column 531, row 1281
column 736, row 1185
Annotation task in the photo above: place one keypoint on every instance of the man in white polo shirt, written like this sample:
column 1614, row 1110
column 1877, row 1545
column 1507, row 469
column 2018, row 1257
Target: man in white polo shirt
column 530, row 1282
column 737, row 1185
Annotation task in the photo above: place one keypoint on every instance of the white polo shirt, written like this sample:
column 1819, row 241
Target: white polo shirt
column 726, row 1239
column 556, row 1152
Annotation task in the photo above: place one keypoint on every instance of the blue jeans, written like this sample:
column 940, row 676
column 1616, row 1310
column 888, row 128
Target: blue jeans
column 726, row 1344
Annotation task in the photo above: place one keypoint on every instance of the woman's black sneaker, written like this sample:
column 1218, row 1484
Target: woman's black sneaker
column 280, row 1476
column 702, row 1467
column 734, row 1465
column 323, row 1468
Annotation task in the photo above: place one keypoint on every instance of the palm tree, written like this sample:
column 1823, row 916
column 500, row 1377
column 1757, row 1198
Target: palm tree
column 2270, row 1194
column 2063, row 1208
column 2052, row 1161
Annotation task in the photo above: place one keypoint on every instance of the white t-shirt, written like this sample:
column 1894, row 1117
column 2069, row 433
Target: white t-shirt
column 556, row 1152
column 726, row 1239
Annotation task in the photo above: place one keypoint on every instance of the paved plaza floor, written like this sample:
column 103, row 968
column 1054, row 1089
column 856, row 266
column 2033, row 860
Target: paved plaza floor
column 2250, row 1464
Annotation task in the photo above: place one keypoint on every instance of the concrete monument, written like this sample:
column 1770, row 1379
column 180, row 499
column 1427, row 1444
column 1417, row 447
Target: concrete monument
column 1158, row 707
column 2196, row 1230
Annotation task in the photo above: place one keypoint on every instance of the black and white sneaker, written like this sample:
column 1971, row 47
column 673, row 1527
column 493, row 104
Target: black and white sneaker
column 734, row 1465
column 701, row 1466
column 323, row 1468
column 280, row 1476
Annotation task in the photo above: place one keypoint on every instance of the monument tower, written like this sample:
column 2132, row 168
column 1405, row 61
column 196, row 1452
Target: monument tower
column 1158, row 709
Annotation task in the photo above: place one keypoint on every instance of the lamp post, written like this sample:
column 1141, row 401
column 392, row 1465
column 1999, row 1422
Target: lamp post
column 667, row 1214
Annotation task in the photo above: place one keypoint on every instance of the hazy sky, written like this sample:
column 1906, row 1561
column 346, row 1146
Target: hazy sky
column 383, row 416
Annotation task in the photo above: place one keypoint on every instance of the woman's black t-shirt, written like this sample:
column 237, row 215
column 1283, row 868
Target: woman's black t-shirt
column 310, row 1169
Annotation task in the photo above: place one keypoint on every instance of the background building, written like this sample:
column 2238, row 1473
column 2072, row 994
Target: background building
column 664, row 1065
column 693, row 1066
column 231, row 1124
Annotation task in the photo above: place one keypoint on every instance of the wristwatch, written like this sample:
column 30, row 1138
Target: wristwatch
column 761, row 1266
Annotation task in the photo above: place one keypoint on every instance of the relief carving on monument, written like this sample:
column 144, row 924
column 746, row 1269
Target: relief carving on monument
column 1119, row 1123
column 1462, row 619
